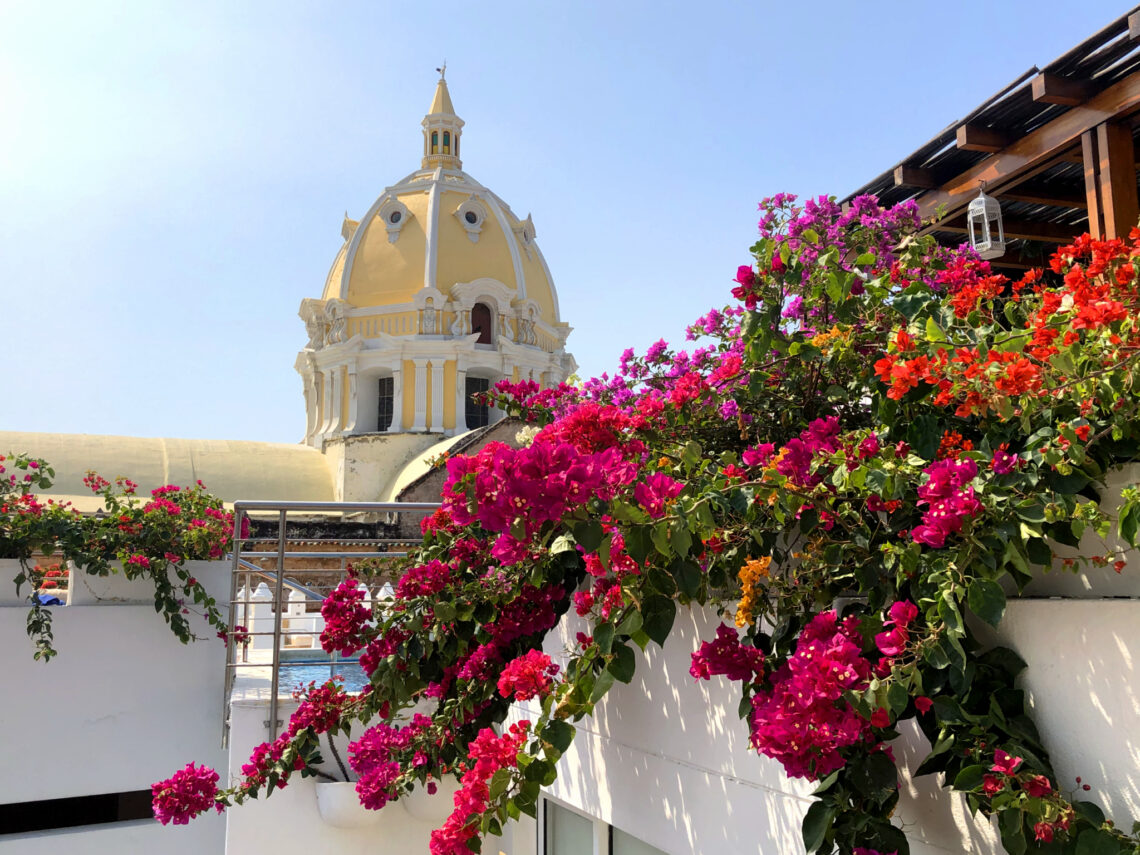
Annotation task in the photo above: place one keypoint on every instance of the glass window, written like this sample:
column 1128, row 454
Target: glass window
column 435, row 142
column 477, row 415
column 567, row 833
column 626, row 844
column 386, row 404
column 447, row 142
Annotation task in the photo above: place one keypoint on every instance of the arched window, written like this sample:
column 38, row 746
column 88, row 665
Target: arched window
column 481, row 323
column 447, row 142
column 435, row 142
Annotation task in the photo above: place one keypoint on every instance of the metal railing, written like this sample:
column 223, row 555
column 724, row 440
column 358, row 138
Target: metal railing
column 245, row 571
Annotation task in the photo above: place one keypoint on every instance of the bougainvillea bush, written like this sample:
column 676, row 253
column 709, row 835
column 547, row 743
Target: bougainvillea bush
column 152, row 539
column 877, row 440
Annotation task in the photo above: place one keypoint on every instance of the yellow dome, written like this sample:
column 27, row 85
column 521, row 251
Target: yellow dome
column 438, row 292
column 437, row 228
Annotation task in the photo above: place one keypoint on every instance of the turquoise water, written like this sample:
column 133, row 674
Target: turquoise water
column 309, row 668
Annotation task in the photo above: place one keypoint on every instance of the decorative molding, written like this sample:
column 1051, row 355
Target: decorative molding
column 336, row 317
column 471, row 213
column 395, row 215
column 312, row 312
column 431, row 237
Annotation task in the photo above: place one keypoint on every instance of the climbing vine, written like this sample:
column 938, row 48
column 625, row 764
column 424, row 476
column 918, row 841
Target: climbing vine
column 878, row 440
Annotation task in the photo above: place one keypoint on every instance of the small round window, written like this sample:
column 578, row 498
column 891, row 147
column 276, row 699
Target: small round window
column 395, row 217
column 471, row 217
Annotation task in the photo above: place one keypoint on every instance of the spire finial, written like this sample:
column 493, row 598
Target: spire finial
column 443, row 71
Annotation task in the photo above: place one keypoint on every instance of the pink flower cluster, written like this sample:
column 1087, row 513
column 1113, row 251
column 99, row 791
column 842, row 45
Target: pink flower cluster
column 187, row 793
column 794, row 462
column 949, row 501
column 583, row 455
column 727, row 656
column 803, row 720
column 423, row 580
column 345, row 617
column 893, row 641
column 528, row 676
column 490, row 753
column 655, row 492
column 374, row 759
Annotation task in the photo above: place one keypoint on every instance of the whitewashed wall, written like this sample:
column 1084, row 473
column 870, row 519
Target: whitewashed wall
column 666, row 758
column 124, row 704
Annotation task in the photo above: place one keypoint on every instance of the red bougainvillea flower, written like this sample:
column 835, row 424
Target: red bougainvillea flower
column 1005, row 763
column 187, row 793
column 528, row 676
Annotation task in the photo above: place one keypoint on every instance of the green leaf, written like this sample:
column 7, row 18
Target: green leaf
column 986, row 600
column 638, row 543
column 897, row 698
column 623, row 664
column 657, row 615
column 1090, row 812
column 933, row 331
column 559, row 734
column 688, row 576
column 561, row 544
column 630, row 624
column 601, row 686
column 1095, row 841
column 969, row 779
column 604, row 637
column 817, row 822
column 589, row 535
column 499, row 782
column 1012, row 832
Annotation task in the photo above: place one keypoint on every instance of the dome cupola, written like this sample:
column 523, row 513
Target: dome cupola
column 437, row 292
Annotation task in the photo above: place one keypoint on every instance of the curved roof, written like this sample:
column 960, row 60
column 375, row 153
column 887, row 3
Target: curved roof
column 436, row 228
column 231, row 470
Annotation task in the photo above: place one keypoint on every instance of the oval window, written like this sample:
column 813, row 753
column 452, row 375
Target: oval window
column 395, row 217
column 471, row 217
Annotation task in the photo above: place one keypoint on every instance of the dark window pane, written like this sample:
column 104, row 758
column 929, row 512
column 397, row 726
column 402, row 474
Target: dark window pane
column 478, row 415
column 481, row 322
column 386, row 404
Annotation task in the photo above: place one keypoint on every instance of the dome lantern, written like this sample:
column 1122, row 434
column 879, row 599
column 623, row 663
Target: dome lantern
column 442, row 129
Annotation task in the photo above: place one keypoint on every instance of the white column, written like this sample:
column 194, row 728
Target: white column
column 397, row 425
column 460, row 399
column 353, row 401
column 326, row 400
column 419, row 417
column 437, row 395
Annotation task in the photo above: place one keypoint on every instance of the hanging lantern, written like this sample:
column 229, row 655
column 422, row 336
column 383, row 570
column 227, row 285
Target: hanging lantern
column 983, row 218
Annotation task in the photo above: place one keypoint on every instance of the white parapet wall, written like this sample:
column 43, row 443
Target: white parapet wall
column 666, row 759
column 123, row 705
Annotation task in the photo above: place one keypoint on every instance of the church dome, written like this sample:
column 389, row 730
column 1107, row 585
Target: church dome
column 438, row 290
column 437, row 228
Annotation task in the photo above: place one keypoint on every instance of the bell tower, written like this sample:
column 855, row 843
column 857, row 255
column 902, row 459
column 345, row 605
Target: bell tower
column 442, row 129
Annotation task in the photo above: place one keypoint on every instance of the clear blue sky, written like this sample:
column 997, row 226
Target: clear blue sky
column 173, row 175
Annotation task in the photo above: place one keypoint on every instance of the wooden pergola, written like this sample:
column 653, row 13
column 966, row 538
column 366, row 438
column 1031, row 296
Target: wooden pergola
column 1057, row 149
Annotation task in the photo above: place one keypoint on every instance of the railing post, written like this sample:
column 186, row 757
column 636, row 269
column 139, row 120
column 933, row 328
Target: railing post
column 231, row 643
column 279, row 587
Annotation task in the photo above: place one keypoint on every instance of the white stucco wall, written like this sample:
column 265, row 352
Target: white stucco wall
column 124, row 704
column 666, row 758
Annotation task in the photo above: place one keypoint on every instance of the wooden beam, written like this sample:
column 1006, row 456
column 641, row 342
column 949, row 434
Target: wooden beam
column 1051, row 89
column 1134, row 26
column 912, row 176
column 1091, row 162
column 1042, row 145
column 1117, row 176
column 1017, row 230
column 978, row 138
column 1041, row 195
